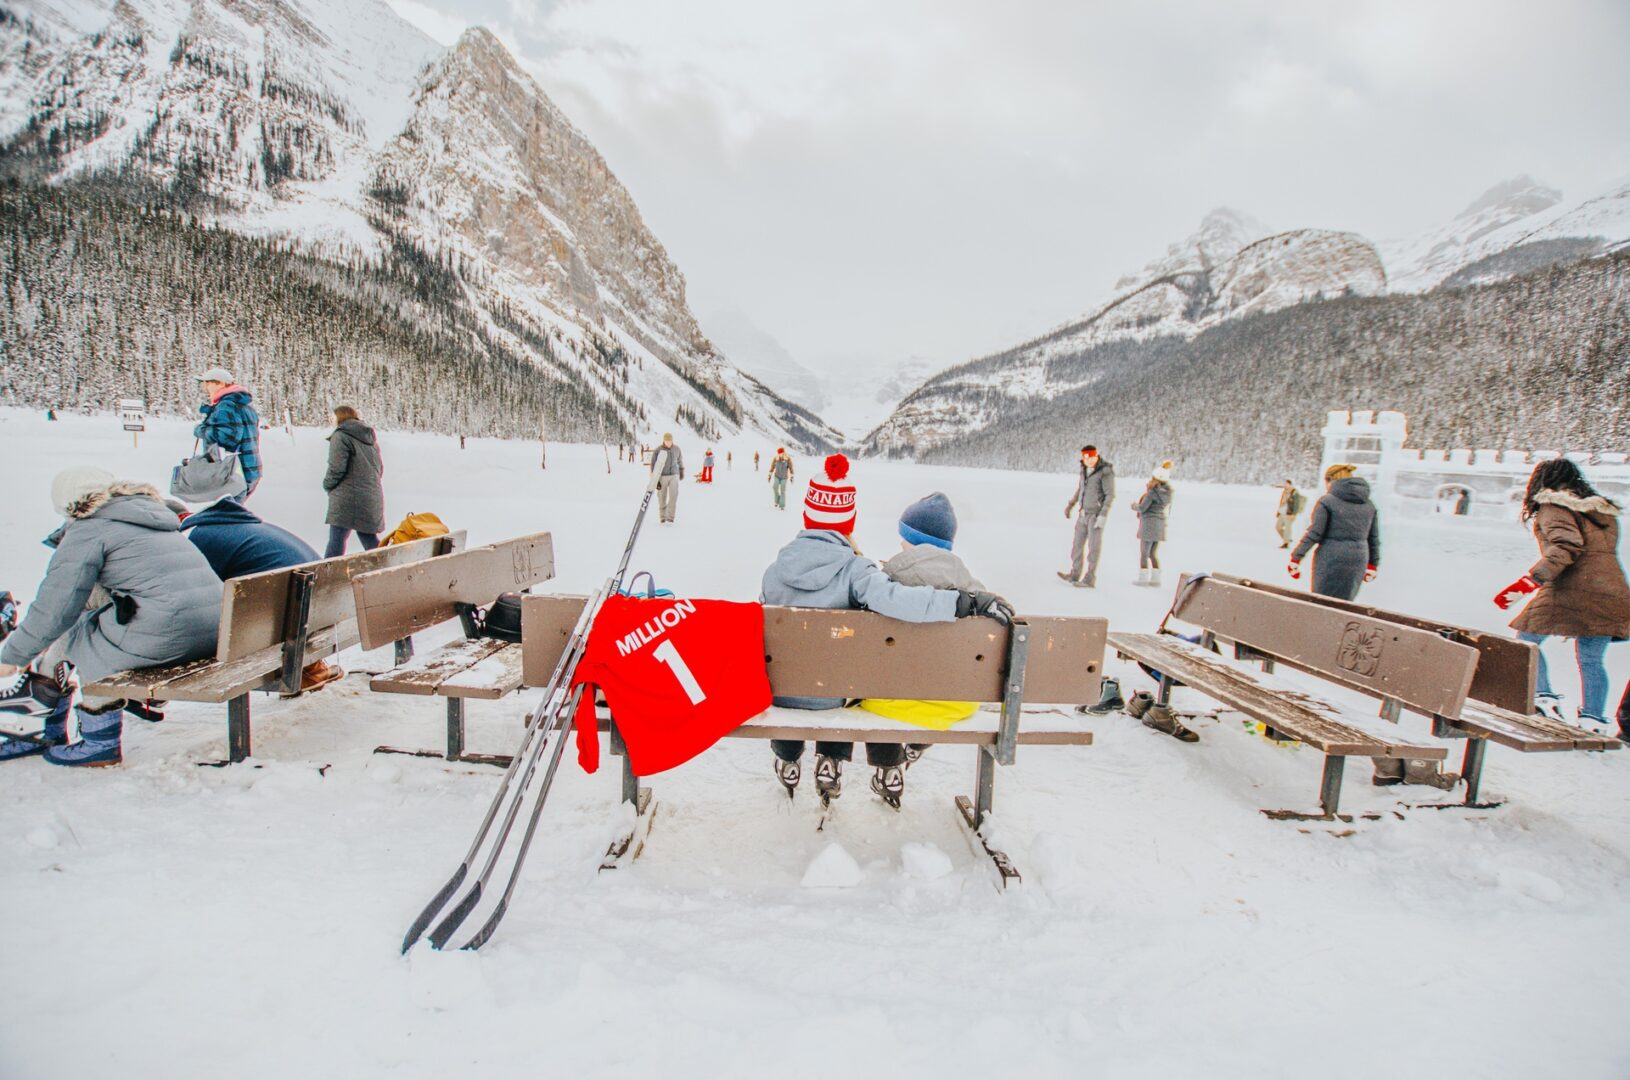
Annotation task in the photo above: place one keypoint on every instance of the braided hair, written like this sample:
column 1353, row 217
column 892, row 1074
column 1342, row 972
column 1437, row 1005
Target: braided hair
column 1557, row 474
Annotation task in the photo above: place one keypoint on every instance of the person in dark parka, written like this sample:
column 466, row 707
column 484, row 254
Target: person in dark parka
column 1347, row 532
column 355, row 483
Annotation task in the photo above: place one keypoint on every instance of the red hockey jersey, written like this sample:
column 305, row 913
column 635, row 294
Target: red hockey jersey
column 678, row 675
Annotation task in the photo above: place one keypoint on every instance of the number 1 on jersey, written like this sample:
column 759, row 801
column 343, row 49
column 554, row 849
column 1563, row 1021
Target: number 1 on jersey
column 676, row 664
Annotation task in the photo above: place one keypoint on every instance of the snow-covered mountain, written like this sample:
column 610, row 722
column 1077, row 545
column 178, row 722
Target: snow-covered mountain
column 340, row 130
column 756, row 351
column 1513, row 227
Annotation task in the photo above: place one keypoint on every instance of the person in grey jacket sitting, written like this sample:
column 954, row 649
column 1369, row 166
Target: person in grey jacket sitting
column 1347, row 533
column 1094, row 492
column 151, row 596
column 1152, row 508
column 355, row 483
column 820, row 568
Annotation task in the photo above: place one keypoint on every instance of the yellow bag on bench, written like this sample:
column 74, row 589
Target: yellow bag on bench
column 935, row 715
column 416, row 527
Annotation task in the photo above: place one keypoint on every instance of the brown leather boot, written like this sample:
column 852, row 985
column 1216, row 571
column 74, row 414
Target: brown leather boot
column 316, row 676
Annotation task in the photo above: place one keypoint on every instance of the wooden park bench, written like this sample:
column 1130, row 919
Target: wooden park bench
column 394, row 604
column 1404, row 666
column 1499, row 706
column 273, row 624
column 816, row 652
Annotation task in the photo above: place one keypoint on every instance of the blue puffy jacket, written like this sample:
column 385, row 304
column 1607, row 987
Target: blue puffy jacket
column 236, row 542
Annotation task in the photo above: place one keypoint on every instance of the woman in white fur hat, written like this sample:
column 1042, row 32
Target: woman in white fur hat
column 162, row 604
column 1152, row 508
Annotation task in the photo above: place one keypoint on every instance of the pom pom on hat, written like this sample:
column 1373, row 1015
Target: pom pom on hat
column 830, row 503
column 1164, row 471
column 837, row 467
column 70, row 487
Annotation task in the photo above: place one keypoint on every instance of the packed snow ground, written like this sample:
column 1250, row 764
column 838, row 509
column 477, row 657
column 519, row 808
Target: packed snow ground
column 168, row 920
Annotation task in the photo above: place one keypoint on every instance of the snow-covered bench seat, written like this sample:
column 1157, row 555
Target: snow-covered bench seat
column 817, row 652
column 272, row 625
column 397, row 603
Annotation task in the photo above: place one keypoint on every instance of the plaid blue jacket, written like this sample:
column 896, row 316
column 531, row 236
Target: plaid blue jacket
column 232, row 424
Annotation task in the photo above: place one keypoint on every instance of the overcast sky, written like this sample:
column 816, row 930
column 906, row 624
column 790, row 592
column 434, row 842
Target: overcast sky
column 870, row 180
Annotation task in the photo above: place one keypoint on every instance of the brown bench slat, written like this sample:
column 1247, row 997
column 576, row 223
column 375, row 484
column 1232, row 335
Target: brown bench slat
column 400, row 601
column 817, row 652
column 253, row 607
column 212, row 681
column 424, row 674
column 1529, row 733
column 1507, row 669
column 1321, row 724
column 1418, row 668
column 494, row 677
column 1038, row 727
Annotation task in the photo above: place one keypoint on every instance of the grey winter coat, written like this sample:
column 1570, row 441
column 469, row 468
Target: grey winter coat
column 675, row 465
column 1347, row 532
column 1152, row 507
column 127, row 541
column 355, row 480
column 925, row 564
column 1095, row 490
column 819, row 569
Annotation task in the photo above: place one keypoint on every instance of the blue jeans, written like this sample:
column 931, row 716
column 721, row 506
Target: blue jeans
column 337, row 538
column 1592, row 672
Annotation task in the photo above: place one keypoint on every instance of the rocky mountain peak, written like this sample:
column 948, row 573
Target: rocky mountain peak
column 1512, row 199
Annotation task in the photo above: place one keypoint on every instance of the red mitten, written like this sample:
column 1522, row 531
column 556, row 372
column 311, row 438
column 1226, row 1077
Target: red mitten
column 1295, row 570
column 1515, row 592
column 1369, row 572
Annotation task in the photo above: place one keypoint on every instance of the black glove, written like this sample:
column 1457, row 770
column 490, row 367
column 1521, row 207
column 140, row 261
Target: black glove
column 986, row 604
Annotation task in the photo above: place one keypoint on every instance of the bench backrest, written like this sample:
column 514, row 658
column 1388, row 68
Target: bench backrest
column 816, row 652
column 395, row 603
column 253, row 608
column 1507, row 669
column 1421, row 670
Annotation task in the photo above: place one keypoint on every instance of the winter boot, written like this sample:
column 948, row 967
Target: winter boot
column 789, row 774
column 1388, row 771
column 149, row 710
column 1067, row 576
column 889, row 781
column 1139, row 704
column 828, row 777
column 913, row 751
column 35, row 697
column 1143, row 576
column 1551, row 709
column 1109, row 700
column 1429, row 773
column 1154, row 577
column 99, row 739
column 1162, row 718
column 315, row 677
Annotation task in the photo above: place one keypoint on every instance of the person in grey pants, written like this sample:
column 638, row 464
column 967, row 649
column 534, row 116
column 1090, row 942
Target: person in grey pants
column 1094, row 493
column 673, row 471
column 1152, row 508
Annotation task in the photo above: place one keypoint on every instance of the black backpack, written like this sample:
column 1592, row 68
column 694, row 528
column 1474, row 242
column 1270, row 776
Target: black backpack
column 501, row 619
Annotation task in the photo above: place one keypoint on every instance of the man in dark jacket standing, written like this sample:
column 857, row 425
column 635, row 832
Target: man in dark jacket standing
column 230, row 422
column 355, row 483
column 1094, row 493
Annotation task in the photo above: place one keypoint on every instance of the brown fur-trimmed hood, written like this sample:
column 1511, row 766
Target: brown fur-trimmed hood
column 1599, row 505
column 96, row 500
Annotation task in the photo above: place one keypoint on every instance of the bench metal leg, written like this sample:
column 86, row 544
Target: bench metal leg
column 404, row 651
column 237, row 728
column 984, row 786
column 628, row 845
column 1164, row 696
column 974, row 812
column 1330, row 786
column 455, row 728
column 1471, row 768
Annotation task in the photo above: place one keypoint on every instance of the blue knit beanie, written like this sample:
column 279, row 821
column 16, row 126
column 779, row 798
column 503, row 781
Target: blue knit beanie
column 929, row 520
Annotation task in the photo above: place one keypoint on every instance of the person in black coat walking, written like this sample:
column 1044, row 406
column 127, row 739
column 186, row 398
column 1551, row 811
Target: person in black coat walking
column 355, row 483
column 1347, row 532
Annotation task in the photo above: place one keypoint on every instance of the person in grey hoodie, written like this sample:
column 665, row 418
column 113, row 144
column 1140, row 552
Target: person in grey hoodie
column 355, row 483
column 159, row 602
column 1347, row 533
column 1094, row 492
column 821, row 568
